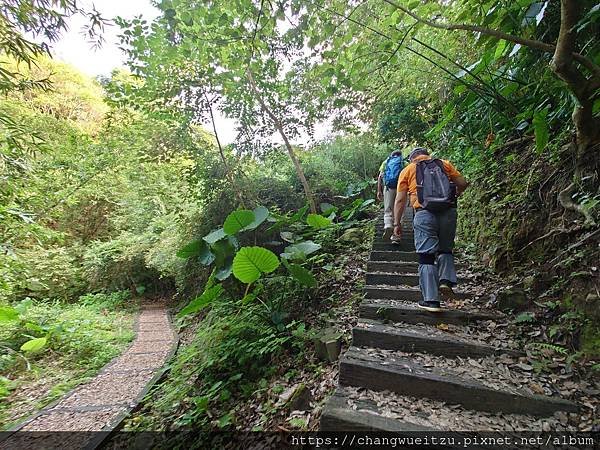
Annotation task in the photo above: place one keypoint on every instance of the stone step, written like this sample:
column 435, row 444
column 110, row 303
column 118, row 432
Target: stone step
column 338, row 416
column 352, row 408
column 409, row 312
column 399, row 266
column 392, row 266
column 400, row 293
column 402, row 246
column 422, row 339
column 406, row 232
column 373, row 278
column 385, row 255
column 362, row 368
column 394, row 279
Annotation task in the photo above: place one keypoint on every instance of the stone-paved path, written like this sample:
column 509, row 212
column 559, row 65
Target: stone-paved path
column 102, row 403
column 412, row 370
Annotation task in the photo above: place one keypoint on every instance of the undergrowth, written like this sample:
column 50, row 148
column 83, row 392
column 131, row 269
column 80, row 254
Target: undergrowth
column 236, row 359
column 80, row 339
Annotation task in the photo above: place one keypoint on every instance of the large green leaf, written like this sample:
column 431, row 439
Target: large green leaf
column 297, row 217
column 206, row 257
column 304, row 276
column 260, row 215
column 194, row 248
column 300, row 250
column 327, row 208
column 224, row 252
column 237, row 221
column 214, row 236
column 8, row 314
column 251, row 262
column 34, row 345
column 207, row 297
column 224, row 272
column 317, row 221
column 541, row 130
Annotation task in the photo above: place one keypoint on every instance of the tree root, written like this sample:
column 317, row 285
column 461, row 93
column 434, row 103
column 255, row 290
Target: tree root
column 577, row 244
column 564, row 198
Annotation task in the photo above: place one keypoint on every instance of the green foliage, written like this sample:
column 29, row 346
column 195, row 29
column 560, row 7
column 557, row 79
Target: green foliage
column 525, row 317
column 207, row 297
column 402, row 121
column 58, row 345
column 304, row 276
column 230, row 352
column 237, row 221
column 300, row 250
column 317, row 221
column 34, row 345
column 540, row 128
column 251, row 262
column 111, row 302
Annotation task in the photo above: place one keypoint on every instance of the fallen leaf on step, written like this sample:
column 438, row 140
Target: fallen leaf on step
column 443, row 327
column 537, row 388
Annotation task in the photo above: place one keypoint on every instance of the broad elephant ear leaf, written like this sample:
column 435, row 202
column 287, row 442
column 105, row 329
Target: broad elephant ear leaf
column 300, row 250
column 317, row 221
column 224, row 252
column 214, row 236
column 34, row 345
column 194, row 248
column 303, row 275
column 238, row 220
column 8, row 314
column 260, row 215
column 251, row 262
column 207, row 297
column 327, row 208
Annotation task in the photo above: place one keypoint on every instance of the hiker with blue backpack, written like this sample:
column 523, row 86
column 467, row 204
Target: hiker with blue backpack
column 433, row 186
column 387, row 183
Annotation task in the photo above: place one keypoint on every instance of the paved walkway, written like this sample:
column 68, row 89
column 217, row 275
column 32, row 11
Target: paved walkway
column 102, row 403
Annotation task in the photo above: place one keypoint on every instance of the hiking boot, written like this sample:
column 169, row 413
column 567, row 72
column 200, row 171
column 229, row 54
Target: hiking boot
column 446, row 291
column 387, row 233
column 396, row 239
column 430, row 305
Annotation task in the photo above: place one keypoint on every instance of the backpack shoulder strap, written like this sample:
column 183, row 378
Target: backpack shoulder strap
column 419, row 169
column 440, row 164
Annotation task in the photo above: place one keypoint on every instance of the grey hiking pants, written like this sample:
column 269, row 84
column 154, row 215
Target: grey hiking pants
column 434, row 242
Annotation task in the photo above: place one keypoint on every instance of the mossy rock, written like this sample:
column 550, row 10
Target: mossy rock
column 355, row 235
column 513, row 299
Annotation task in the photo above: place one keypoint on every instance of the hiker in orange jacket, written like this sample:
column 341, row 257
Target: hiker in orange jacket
column 433, row 186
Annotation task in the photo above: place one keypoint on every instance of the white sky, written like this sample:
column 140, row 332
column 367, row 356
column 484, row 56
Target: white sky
column 74, row 49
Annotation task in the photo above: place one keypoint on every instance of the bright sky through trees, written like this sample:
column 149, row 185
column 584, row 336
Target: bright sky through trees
column 74, row 49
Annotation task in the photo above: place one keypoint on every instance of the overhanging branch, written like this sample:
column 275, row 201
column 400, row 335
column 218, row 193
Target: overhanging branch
column 531, row 43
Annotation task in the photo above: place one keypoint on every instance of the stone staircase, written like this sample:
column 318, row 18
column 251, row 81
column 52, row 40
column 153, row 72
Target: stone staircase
column 403, row 358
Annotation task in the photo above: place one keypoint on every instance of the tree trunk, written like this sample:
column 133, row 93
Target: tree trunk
column 279, row 126
column 229, row 173
column 584, row 88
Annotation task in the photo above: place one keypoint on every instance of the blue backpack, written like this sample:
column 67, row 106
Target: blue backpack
column 393, row 166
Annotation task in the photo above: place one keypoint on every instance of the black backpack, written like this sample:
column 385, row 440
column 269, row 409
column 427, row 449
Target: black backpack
column 435, row 191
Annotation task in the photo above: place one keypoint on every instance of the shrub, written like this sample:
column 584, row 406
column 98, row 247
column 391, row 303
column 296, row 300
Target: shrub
column 53, row 273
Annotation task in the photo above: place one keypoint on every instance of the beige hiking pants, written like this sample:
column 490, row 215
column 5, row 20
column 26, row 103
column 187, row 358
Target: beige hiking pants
column 389, row 197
